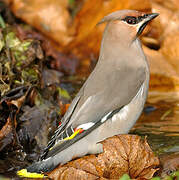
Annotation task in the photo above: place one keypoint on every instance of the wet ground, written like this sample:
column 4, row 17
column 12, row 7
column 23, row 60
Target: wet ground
column 160, row 122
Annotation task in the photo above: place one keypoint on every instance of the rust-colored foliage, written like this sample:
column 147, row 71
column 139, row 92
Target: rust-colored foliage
column 49, row 16
column 73, row 41
column 6, row 135
column 122, row 154
column 80, row 37
column 88, row 35
column 169, row 163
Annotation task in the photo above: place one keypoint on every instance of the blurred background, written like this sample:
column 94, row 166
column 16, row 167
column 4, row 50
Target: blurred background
column 49, row 47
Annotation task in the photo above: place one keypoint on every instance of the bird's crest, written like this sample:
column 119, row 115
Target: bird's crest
column 116, row 15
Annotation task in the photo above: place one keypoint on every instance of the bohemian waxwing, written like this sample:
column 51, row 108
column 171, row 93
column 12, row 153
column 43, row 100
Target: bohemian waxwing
column 111, row 99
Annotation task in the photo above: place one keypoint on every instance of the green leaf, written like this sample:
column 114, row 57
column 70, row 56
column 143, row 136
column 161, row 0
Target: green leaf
column 2, row 23
column 156, row 178
column 11, row 40
column 71, row 2
column 125, row 177
column 63, row 93
column 168, row 178
column 29, row 75
column 175, row 174
column 1, row 41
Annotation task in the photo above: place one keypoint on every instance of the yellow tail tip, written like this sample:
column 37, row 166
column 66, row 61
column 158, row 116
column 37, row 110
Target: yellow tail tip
column 25, row 173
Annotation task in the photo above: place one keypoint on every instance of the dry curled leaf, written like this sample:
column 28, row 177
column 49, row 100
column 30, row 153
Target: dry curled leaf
column 170, row 4
column 49, row 16
column 88, row 35
column 169, row 163
column 164, row 76
column 170, row 49
column 122, row 154
column 6, row 135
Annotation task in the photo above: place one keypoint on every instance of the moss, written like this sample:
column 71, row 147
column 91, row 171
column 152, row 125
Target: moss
column 63, row 93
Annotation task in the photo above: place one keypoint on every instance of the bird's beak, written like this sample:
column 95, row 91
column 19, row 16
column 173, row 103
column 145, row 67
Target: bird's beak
column 145, row 21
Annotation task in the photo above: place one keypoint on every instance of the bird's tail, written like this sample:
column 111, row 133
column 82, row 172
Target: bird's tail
column 38, row 169
column 24, row 173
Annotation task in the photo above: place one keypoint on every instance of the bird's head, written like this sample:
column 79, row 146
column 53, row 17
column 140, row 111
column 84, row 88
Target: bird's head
column 127, row 24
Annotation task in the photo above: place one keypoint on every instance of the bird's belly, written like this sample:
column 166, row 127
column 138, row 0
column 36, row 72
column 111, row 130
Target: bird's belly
column 122, row 122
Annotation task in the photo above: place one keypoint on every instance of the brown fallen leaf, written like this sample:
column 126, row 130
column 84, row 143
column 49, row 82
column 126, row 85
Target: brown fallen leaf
column 163, row 76
column 122, row 154
column 49, row 16
column 35, row 124
column 6, row 134
column 163, row 21
column 88, row 36
column 16, row 96
column 169, row 163
column 170, row 48
column 170, row 4
column 167, row 21
column 66, row 63
column 63, row 107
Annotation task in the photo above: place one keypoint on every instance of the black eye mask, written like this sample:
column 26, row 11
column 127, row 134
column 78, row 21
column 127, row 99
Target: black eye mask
column 134, row 20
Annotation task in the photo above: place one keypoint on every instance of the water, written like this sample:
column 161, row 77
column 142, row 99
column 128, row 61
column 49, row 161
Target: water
column 160, row 122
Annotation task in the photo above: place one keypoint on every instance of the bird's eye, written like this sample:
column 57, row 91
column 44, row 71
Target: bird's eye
column 146, row 15
column 131, row 20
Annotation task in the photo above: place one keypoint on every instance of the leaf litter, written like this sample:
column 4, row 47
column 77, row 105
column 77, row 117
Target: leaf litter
column 31, row 99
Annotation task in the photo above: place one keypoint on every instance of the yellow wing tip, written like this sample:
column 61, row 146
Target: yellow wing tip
column 25, row 173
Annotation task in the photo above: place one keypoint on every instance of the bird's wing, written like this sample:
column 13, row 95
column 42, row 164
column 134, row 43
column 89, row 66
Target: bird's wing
column 64, row 122
column 109, row 93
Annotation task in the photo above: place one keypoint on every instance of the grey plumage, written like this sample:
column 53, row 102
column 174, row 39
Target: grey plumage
column 111, row 99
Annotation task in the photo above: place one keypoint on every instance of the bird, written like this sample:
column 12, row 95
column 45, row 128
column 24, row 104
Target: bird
column 111, row 99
